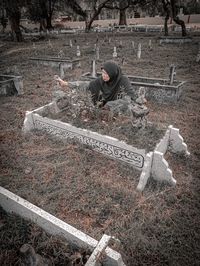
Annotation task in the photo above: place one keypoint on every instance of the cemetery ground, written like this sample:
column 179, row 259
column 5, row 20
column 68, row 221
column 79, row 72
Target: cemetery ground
column 91, row 192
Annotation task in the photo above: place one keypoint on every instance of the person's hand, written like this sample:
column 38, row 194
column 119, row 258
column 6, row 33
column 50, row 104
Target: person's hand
column 60, row 81
column 99, row 104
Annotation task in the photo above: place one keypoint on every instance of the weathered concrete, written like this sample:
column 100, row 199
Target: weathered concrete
column 175, row 39
column 146, row 172
column 176, row 143
column 12, row 203
column 109, row 146
column 11, row 85
column 155, row 165
column 160, row 169
column 94, row 259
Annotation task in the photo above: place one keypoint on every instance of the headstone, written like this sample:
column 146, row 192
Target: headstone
column 172, row 74
column 94, row 69
column 70, row 43
column 34, row 49
column 50, row 44
column 78, row 52
column 150, row 45
column 115, row 52
column 97, row 53
column 139, row 51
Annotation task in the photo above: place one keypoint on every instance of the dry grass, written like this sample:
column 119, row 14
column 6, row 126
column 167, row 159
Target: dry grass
column 91, row 192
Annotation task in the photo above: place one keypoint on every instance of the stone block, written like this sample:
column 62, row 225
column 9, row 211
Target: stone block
column 160, row 169
column 146, row 172
column 177, row 144
column 11, row 85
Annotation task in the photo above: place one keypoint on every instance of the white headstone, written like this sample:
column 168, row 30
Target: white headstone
column 172, row 73
column 50, row 44
column 93, row 69
column 150, row 45
column 70, row 43
column 78, row 52
column 97, row 53
column 115, row 52
column 139, row 51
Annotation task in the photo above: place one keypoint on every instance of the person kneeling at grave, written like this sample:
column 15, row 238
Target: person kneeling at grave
column 112, row 85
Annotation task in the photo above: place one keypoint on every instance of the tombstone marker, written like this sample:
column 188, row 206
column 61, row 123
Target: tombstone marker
column 115, row 52
column 78, row 52
column 139, row 51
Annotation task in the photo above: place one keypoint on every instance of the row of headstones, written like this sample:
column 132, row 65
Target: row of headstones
column 137, row 50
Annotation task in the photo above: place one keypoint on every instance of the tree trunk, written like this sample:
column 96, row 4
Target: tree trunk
column 166, row 26
column 88, row 24
column 182, row 24
column 167, row 11
column 42, row 25
column 14, row 19
column 176, row 18
column 122, row 17
column 49, row 22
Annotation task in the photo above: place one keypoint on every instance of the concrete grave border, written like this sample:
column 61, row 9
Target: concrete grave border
column 12, row 203
column 151, row 164
column 106, row 145
column 156, row 89
column 10, row 84
column 175, row 39
column 155, row 165
column 61, row 63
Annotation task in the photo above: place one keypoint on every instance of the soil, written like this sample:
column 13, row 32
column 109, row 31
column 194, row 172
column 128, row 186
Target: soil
column 93, row 193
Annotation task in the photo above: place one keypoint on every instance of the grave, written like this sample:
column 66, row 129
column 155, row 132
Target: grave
column 175, row 39
column 148, row 28
column 56, row 62
column 12, row 203
column 159, row 90
column 150, row 164
column 11, row 85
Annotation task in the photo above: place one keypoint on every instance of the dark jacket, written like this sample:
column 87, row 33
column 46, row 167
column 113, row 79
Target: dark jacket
column 114, row 89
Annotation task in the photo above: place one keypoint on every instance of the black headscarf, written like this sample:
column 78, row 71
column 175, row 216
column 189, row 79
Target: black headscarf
column 107, row 90
column 111, row 88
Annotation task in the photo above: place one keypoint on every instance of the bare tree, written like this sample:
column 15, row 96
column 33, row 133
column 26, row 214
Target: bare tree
column 94, row 12
column 176, row 18
column 170, row 8
column 13, row 11
column 166, row 7
column 42, row 11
